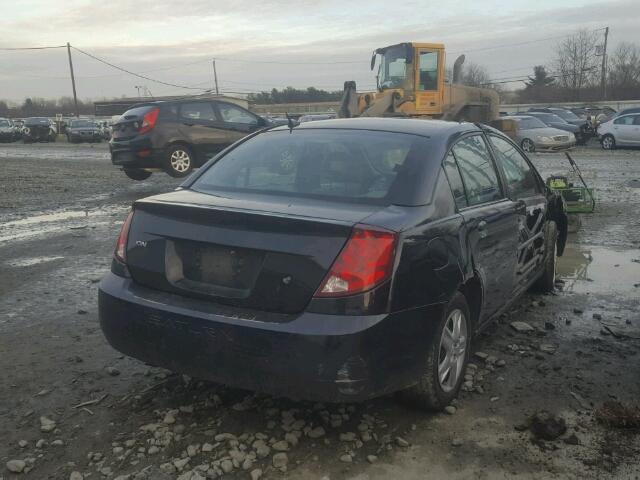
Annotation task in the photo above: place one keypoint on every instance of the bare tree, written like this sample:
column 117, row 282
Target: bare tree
column 576, row 63
column 624, row 71
column 475, row 75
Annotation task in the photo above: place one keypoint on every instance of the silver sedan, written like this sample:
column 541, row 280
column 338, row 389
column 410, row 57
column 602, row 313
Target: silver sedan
column 533, row 135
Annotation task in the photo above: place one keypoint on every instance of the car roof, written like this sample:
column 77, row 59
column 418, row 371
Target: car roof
column 425, row 128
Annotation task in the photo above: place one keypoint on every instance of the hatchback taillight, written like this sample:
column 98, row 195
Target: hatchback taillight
column 364, row 262
column 149, row 120
column 121, row 244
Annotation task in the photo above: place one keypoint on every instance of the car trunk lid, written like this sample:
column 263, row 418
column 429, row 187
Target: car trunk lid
column 264, row 252
column 128, row 125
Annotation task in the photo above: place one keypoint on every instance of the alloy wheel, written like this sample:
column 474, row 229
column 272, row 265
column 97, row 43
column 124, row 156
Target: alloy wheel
column 180, row 161
column 527, row 146
column 607, row 143
column 452, row 351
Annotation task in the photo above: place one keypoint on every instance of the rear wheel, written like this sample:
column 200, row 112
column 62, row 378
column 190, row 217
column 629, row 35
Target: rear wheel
column 546, row 283
column 136, row 174
column 608, row 142
column 179, row 161
column 528, row 146
column 447, row 356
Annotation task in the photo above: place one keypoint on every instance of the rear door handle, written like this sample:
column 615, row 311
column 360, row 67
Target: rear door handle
column 189, row 124
column 521, row 206
column 482, row 226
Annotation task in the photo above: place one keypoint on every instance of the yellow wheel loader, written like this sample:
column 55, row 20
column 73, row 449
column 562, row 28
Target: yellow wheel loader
column 411, row 83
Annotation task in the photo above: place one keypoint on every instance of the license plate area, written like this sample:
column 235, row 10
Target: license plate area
column 212, row 269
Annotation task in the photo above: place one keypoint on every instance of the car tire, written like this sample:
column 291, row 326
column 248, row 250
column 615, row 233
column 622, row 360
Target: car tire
column 179, row 161
column 547, row 281
column 136, row 174
column 436, row 390
column 528, row 146
column 608, row 142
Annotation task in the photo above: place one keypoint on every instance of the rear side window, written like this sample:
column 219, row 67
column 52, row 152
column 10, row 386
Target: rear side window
column 636, row 120
column 521, row 181
column 350, row 165
column 234, row 114
column 477, row 170
column 199, row 111
column 455, row 181
column 628, row 120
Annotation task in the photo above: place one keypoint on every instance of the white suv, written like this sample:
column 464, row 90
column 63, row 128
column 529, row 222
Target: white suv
column 620, row 131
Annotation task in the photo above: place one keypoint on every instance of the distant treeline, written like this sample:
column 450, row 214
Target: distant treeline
column 42, row 107
column 294, row 95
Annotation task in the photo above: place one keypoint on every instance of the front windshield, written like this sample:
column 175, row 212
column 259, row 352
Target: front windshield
column 4, row 123
column 82, row 124
column 393, row 70
column 530, row 123
column 566, row 114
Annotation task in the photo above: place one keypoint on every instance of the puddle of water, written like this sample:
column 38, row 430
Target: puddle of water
column 28, row 262
column 50, row 217
column 55, row 222
column 599, row 270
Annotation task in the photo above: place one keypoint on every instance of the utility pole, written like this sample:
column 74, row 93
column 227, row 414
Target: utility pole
column 215, row 76
column 73, row 80
column 604, row 65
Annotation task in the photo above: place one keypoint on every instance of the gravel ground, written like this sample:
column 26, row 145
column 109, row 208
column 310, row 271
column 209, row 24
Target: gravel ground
column 71, row 407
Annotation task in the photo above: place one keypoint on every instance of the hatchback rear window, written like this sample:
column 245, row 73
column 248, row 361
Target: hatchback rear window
column 350, row 165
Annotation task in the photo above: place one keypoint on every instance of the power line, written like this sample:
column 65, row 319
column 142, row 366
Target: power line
column 519, row 44
column 14, row 49
column 135, row 74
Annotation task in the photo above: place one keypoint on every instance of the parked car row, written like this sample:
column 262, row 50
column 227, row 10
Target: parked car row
column 43, row 129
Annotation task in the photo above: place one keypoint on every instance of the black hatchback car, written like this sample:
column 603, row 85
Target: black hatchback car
column 177, row 136
column 338, row 261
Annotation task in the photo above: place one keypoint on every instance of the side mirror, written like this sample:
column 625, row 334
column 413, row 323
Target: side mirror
column 373, row 60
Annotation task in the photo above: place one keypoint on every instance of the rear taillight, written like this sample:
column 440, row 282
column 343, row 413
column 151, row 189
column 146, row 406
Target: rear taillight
column 364, row 262
column 121, row 244
column 149, row 120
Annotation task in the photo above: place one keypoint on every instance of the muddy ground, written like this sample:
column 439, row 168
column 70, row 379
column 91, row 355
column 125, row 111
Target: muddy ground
column 60, row 210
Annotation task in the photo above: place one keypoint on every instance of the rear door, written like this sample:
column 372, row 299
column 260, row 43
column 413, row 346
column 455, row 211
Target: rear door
column 491, row 221
column 623, row 129
column 524, row 188
column 199, row 125
column 236, row 121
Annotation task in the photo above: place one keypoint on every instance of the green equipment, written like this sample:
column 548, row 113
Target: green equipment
column 579, row 199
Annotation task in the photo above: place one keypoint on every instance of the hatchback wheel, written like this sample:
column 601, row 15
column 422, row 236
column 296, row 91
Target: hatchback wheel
column 608, row 142
column 179, row 161
column 136, row 174
column 447, row 357
column 528, row 146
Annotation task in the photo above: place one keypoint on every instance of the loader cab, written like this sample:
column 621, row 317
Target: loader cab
column 417, row 71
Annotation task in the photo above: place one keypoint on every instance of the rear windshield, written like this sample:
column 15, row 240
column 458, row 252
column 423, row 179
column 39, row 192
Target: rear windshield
column 4, row 123
column 530, row 123
column 347, row 165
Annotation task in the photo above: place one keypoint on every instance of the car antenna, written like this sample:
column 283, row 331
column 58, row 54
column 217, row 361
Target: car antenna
column 290, row 122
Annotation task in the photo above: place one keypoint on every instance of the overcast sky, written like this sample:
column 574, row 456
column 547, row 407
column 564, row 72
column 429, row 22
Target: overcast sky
column 173, row 41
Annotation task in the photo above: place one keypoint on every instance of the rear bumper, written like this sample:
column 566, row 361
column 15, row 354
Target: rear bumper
column 137, row 153
column 313, row 356
column 85, row 136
